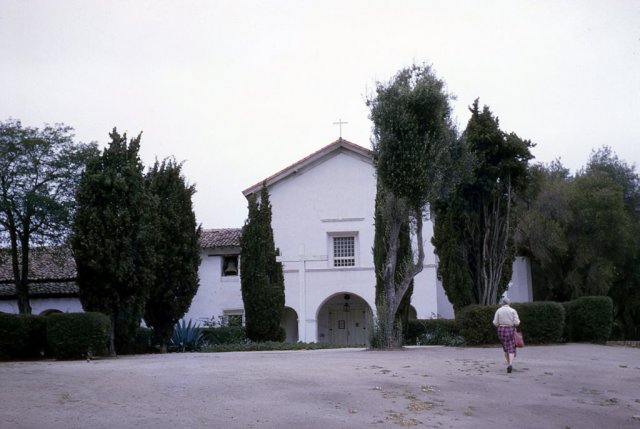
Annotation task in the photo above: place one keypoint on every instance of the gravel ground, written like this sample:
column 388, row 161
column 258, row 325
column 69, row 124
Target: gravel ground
column 572, row 386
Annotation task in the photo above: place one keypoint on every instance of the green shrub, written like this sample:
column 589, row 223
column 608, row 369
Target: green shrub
column 22, row 336
column 589, row 319
column 268, row 346
column 542, row 322
column 225, row 335
column 433, row 332
column 476, row 324
column 78, row 335
column 143, row 341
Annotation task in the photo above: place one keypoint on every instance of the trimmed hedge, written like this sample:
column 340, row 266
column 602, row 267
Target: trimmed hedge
column 542, row 322
column 433, row 332
column 78, row 335
column 22, row 336
column 589, row 319
column 225, row 335
column 475, row 322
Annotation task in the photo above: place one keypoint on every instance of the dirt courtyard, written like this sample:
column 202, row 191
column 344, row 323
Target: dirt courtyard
column 572, row 386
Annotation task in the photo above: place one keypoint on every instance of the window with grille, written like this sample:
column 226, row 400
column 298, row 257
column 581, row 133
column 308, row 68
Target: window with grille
column 233, row 318
column 344, row 251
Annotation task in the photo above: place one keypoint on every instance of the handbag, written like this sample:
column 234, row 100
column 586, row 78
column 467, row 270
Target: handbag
column 517, row 337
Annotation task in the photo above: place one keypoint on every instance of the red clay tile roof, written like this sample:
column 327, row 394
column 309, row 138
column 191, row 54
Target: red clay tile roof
column 44, row 264
column 41, row 290
column 225, row 237
column 52, row 272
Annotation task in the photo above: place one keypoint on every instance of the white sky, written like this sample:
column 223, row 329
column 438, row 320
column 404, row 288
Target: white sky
column 240, row 89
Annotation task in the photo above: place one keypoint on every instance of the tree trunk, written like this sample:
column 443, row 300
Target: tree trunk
column 112, row 336
column 395, row 290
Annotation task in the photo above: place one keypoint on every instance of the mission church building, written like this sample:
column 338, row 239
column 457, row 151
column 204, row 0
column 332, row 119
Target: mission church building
column 323, row 225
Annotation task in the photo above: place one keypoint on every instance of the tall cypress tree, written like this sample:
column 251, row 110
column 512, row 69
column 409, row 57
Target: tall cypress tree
column 177, row 249
column 261, row 276
column 474, row 226
column 111, row 239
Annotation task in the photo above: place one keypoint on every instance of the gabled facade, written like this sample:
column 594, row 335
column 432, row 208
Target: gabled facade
column 323, row 225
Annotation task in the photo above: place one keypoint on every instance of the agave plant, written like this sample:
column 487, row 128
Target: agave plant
column 186, row 337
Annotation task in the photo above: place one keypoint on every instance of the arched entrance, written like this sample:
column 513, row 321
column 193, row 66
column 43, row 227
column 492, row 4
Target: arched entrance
column 290, row 324
column 344, row 319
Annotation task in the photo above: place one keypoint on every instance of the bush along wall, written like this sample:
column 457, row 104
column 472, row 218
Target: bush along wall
column 589, row 319
column 476, row 324
column 78, row 335
column 22, row 336
column 225, row 335
column 432, row 332
column 541, row 322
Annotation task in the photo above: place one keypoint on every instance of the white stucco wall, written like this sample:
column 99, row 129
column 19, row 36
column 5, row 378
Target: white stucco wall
column 216, row 293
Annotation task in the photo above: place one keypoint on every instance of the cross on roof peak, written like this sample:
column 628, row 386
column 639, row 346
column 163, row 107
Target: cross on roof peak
column 340, row 123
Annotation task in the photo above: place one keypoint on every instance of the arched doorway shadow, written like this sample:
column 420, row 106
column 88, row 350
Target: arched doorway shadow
column 290, row 324
column 344, row 319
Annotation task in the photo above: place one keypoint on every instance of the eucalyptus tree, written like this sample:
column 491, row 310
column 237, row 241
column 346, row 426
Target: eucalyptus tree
column 39, row 172
column 413, row 138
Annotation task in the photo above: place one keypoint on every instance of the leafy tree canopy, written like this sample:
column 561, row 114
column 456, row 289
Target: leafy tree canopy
column 39, row 171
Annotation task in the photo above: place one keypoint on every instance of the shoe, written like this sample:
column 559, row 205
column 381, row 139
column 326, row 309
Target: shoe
column 509, row 369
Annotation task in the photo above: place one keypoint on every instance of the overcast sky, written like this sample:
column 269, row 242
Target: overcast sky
column 240, row 89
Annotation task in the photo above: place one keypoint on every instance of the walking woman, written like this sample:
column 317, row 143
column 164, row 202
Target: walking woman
column 506, row 319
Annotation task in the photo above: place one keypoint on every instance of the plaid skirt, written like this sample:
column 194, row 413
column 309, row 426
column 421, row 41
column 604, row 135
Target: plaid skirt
column 505, row 334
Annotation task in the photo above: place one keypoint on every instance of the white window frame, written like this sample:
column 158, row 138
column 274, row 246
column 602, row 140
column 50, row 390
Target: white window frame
column 332, row 249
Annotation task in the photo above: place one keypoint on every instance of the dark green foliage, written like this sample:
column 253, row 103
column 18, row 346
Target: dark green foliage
column 473, row 233
column 476, row 324
column 78, row 335
column 113, row 240
column 412, row 134
column 541, row 233
column 177, row 250
column 143, row 341
column 452, row 258
column 430, row 332
column 589, row 319
column 261, row 277
column 225, row 335
column 541, row 322
column 268, row 346
column 22, row 336
column 413, row 143
column 582, row 235
column 39, row 172
column 186, row 337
